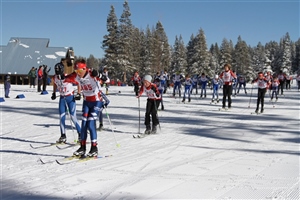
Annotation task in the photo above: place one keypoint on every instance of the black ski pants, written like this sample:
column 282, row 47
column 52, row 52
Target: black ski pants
column 260, row 98
column 227, row 91
column 151, row 109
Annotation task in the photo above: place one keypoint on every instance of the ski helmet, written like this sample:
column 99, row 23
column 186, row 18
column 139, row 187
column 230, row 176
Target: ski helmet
column 216, row 76
column 59, row 69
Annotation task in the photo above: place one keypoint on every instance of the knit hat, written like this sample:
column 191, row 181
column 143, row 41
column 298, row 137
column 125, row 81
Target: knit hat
column 148, row 78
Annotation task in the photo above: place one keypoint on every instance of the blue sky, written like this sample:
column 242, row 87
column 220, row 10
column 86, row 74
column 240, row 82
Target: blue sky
column 81, row 24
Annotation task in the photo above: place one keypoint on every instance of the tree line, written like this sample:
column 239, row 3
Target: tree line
column 128, row 49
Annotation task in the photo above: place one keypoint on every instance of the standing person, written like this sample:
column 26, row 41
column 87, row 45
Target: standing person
column 242, row 82
column 105, row 104
column 32, row 76
column 282, row 78
column 274, row 88
column 177, row 78
column 45, row 76
column 153, row 101
column 6, row 85
column 262, row 85
column 136, row 80
column 67, row 103
column 227, row 75
column 92, row 104
column 215, row 85
column 188, row 84
column 203, row 82
column 40, row 78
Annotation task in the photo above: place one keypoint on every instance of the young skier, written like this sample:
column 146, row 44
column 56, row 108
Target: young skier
column 161, row 87
column 274, row 88
column 262, row 85
column 66, row 100
column 136, row 80
column 177, row 78
column 188, row 84
column 242, row 82
column 92, row 104
column 215, row 84
column 282, row 78
column 298, row 81
column 227, row 75
column 153, row 101
column 195, row 79
column 203, row 82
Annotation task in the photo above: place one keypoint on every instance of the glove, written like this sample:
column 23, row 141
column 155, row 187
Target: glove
column 94, row 73
column 154, row 89
column 53, row 96
column 103, row 78
column 77, row 96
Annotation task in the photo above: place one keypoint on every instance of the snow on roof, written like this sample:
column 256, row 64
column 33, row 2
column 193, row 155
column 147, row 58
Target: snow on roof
column 20, row 54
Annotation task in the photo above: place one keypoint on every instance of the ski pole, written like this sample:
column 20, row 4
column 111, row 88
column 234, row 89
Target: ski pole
column 250, row 96
column 111, row 125
column 139, row 115
column 157, row 114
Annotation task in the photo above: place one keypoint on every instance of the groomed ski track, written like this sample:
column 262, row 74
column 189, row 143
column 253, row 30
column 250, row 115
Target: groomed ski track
column 200, row 153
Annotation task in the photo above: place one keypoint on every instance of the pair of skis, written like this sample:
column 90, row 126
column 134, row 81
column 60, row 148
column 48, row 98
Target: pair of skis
column 72, row 159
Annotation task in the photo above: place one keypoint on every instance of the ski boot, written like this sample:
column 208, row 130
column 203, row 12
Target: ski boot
column 154, row 129
column 148, row 130
column 162, row 107
column 81, row 150
column 100, row 128
column 261, row 110
column 183, row 100
column 62, row 139
column 189, row 99
column 256, row 111
column 212, row 101
column 217, row 100
column 94, row 150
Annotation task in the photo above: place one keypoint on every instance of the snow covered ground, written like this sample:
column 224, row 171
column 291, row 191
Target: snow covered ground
column 200, row 152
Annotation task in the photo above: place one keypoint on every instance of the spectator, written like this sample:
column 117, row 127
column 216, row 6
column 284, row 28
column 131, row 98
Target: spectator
column 32, row 76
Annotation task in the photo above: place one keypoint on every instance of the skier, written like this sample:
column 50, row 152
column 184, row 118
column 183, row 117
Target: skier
column 227, row 75
column 188, row 84
column 195, row 79
column 6, row 85
column 298, row 81
column 177, row 78
column 288, row 82
column 153, row 101
column 136, row 80
column 203, row 82
column 215, row 84
column 234, row 84
column 274, row 88
column 92, row 104
column 282, row 78
column 106, row 83
column 242, row 82
column 160, row 84
column 66, row 100
column 262, row 85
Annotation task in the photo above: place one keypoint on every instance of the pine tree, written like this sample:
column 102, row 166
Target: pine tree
column 241, row 56
column 124, row 40
column 179, row 63
column 109, row 43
